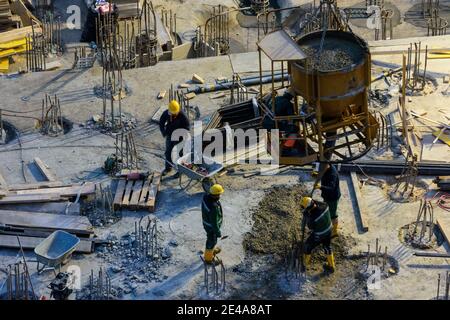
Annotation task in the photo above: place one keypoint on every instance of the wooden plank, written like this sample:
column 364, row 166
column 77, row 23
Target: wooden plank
column 137, row 189
column 17, row 34
column 144, row 193
column 360, row 203
column 34, row 198
column 47, row 207
column 44, row 170
column 444, row 226
column 153, row 192
column 46, row 221
column 3, row 183
column 126, row 196
column 83, row 190
column 119, row 193
column 29, row 243
column 38, row 185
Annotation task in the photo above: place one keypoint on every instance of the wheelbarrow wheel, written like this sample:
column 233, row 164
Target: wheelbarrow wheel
column 207, row 183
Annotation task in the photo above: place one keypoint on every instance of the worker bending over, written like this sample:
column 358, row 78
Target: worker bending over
column 331, row 193
column 171, row 120
column 318, row 221
column 212, row 216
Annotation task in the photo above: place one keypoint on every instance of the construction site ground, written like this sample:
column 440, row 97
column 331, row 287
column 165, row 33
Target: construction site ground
column 250, row 255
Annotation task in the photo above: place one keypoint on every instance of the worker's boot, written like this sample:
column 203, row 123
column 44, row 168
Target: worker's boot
column 330, row 266
column 334, row 230
column 209, row 255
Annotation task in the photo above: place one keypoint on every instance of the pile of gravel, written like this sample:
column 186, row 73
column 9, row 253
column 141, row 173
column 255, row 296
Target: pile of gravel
column 328, row 60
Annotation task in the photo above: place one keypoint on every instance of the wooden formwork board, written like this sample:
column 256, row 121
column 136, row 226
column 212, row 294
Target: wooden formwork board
column 137, row 194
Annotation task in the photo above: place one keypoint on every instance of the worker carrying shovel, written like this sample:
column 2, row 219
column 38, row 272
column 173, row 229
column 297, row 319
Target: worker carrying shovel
column 318, row 220
column 171, row 120
column 331, row 193
column 212, row 216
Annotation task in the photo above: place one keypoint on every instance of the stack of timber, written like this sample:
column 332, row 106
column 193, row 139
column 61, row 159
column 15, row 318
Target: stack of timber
column 16, row 22
column 34, row 227
column 44, row 192
column 5, row 15
column 33, row 211
column 137, row 194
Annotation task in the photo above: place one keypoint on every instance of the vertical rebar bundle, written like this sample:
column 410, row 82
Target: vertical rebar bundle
column 292, row 256
column 386, row 25
column 43, row 7
column 259, row 6
column 214, row 38
column 169, row 19
column 51, row 29
column 126, row 151
column 437, row 26
column 36, row 53
column 112, row 83
column 239, row 92
column 446, row 282
column 214, row 280
column 103, row 202
column 383, row 138
column 326, row 16
column 416, row 79
column 17, row 282
column 377, row 258
column 424, row 226
column 100, row 287
column 407, row 180
column 145, row 243
column 138, row 39
column 51, row 117
column 430, row 7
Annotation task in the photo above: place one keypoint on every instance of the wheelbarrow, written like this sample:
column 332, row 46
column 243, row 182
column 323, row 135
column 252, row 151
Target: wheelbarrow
column 55, row 250
column 205, row 171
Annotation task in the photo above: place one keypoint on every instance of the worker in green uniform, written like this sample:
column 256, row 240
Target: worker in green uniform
column 212, row 216
column 318, row 220
column 331, row 193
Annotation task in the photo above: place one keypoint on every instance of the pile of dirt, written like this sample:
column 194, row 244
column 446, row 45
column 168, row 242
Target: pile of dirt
column 327, row 60
column 265, row 272
column 277, row 221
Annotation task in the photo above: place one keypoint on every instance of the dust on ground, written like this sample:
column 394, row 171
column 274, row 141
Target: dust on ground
column 264, row 274
column 277, row 221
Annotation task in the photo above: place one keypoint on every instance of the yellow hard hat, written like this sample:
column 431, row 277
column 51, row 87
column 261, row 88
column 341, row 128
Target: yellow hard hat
column 174, row 107
column 216, row 190
column 305, row 202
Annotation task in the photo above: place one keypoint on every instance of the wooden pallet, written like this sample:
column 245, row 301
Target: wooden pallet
column 137, row 194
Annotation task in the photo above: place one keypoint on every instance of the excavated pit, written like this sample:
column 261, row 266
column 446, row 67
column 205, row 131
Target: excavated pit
column 67, row 126
column 9, row 133
column 410, row 235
